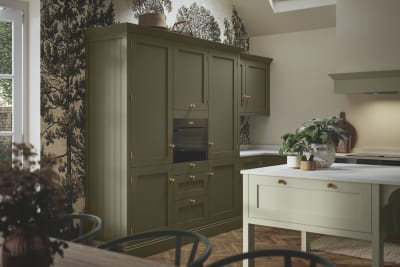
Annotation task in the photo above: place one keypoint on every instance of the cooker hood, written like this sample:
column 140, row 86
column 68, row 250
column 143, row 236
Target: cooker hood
column 369, row 82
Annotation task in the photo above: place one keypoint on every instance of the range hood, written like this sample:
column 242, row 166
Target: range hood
column 370, row 82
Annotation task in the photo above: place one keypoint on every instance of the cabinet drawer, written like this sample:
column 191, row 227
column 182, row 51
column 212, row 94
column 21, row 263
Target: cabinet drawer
column 188, row 185
column 190, row 167
column 340, row 205
column 190, row 212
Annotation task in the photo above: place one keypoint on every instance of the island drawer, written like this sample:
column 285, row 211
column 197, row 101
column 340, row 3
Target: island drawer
column 339, row 205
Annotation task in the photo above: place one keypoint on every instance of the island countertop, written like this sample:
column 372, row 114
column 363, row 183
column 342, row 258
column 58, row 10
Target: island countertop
column 361, row 173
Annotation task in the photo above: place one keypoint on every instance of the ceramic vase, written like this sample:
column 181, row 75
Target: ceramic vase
column 324, row 154
column 293, row 161
column 26, row 249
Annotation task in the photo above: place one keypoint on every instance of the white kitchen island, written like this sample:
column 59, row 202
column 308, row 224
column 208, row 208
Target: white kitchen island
column 343, row 200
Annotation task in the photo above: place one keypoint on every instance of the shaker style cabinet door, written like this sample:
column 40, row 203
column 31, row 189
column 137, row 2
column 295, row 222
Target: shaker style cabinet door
column 190, row 78
column 150, row 71
column 223, row 106
column 255, row 80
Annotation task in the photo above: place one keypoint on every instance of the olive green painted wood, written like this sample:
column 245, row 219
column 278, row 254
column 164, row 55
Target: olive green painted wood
column 107, row 167
column 223, row 106
column 223, row 188
column 190, row 78
column 190, row 212
column 190, row 167
column 150, row 198
column 189, row 185
column 150, row 112
column 387, row 81
column 255, row 85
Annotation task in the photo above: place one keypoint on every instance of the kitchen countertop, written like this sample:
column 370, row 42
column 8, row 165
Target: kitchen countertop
column 361, row 173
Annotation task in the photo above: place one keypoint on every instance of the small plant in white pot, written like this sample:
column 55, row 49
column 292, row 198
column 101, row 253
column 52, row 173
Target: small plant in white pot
column 293, row 146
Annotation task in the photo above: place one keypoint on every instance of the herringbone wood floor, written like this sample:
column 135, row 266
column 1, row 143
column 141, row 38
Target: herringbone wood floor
column 231, row 243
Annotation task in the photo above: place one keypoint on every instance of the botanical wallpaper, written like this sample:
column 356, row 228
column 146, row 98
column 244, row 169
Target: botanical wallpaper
column 63, row 23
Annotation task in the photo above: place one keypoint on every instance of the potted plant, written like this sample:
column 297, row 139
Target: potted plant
column 151, row 12
column 293, row 146
column 30, row 200
column 322, row 136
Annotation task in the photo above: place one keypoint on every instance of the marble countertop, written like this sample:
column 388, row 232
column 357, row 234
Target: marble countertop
column 359, row 173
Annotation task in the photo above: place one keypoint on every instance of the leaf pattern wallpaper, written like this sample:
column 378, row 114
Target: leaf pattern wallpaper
column 63, row 23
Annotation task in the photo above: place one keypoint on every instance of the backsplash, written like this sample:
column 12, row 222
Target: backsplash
column 244, row 130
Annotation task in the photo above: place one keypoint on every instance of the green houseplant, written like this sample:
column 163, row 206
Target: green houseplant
column 322, row 136
column 30, row 200
column 293, row 146
column 151, row 12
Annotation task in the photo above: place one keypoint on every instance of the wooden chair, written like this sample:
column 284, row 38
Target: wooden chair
column 182, row 237
column 285, row 254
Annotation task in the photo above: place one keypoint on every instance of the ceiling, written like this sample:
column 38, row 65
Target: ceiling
column 259, row 17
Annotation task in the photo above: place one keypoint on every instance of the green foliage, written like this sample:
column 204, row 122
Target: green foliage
column 6, row 60
column 235, row 32
column 150, row 6
column 199, row 22
column 293, row 144
column 63, row 24
column 322, row 131
column 30, row 201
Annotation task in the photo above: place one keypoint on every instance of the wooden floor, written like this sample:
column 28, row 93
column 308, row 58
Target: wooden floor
column 231, row 243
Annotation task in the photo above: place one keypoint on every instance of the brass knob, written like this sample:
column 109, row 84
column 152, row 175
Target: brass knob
column 192, row 164
column 171, row 146
column 331, row 185
column 192, row 106
column 192, row 177
column 192, row 201
column 211, row 174
column 211, row 143
column 281, row 181
column 171, row 180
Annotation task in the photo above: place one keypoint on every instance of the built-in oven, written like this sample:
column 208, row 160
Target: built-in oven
column 190, row 137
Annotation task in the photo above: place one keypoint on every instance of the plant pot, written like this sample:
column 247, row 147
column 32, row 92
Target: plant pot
column 307, row 165
column 26, row 250
column 153, row 19
column 293, row 161
column 324, row 154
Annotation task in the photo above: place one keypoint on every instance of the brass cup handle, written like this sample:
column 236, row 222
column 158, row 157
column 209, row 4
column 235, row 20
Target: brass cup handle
column 331, row 185
column 211, row 143
column 281, row 181
column 171, row 180
column 192, row 201
column 171, row 146
column 192, row 177
column 192, row 164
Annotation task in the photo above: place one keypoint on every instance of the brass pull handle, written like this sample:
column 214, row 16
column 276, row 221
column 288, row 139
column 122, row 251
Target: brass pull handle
column 192, row 164
column 211, row 174
column 171, row 146
column 211, row 143
column 281, row 181
column 192, row 106
column 248, row 97
column 171, row 180
column 192, row 177
column 192, row 201
column 331, row 185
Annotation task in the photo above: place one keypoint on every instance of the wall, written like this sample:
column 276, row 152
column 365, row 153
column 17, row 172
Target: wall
column 368, row 36
column 301, row 90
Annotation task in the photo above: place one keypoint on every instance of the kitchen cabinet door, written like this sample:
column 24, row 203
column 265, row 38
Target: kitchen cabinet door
column 150, row 198
column 190, row 78
column 223, row 187
column 150, row 73
column 223, row 109
column 255, row 81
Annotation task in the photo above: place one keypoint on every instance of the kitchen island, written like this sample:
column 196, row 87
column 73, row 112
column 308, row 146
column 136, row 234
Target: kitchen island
column 343, row 200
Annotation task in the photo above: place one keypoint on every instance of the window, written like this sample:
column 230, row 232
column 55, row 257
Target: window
column 11, row 78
